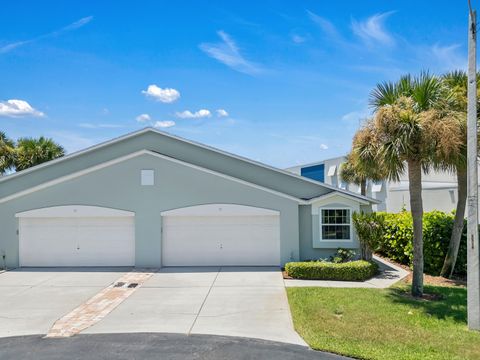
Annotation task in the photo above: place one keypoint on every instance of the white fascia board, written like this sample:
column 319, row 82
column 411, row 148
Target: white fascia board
column 348, row 196
column 131, row 156
column 426, row 185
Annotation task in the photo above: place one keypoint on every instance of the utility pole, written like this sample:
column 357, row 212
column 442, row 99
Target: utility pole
column 473, row 264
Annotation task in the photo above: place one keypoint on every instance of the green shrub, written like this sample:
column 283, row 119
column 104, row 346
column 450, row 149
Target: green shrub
column 397, row 242
column 359, row 270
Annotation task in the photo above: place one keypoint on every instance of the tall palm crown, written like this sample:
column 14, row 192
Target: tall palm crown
column 455, row 102
column 31, row 152
column 413, row 124
column 7, row 153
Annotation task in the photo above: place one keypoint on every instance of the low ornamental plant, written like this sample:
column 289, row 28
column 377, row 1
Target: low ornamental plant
column 342, row 255
column 370, row 229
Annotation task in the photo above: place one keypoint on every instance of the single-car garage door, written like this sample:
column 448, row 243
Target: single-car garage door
column 76, row 236
column 220, row 234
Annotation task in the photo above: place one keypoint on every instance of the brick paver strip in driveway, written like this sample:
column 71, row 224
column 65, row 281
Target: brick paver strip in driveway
column 100, row 305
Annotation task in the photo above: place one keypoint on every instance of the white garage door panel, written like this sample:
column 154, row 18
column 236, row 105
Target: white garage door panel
column 38, row 246
column 221, row 240
column 100, row 241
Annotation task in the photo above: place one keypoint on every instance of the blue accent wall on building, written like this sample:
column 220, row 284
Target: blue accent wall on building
column 316, row 172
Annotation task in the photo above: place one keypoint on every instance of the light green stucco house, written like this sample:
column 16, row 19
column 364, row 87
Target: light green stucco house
column 151, row 199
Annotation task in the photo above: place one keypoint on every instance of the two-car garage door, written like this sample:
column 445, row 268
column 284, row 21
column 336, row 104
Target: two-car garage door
column 219, row 234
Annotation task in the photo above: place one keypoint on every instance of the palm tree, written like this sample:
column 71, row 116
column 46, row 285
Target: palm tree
column 354, row 170
column 7, row 153
column 456, row 85
column 349, row 174
column 31, row 152
column 409, row 129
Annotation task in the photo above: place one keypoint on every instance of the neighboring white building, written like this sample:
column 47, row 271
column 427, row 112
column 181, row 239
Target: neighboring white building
column 439, row 188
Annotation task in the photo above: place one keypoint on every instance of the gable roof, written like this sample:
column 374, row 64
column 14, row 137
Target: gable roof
column 178, row 148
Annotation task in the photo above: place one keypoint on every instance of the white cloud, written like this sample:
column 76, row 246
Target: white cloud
column 222, row 113
column 327, row 27
column 297, row 39
column 372, row 30
column 164, row 124
column 143, row 118
column 187, row 114
column 323, row 147
column 73, row 26
column 18, row 108
column 446, row 57
column 166, row 95
column 228, row 53
column 356, row 116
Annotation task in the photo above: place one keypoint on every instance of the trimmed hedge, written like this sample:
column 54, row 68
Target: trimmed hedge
column 359, row 270
column 397, row 242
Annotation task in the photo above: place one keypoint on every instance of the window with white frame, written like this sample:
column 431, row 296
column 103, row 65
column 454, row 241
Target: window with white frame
column 335, row 224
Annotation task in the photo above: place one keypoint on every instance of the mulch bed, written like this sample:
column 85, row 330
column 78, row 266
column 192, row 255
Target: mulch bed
column 428, row 279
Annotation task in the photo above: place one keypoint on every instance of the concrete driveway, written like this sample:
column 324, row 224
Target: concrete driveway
column 233, row 301
column 31, row 300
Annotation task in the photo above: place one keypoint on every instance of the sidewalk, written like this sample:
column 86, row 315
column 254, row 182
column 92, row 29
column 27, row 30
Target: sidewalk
column 389, row 275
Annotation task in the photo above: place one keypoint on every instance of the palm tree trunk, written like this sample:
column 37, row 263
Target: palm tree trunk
column 416, row 206
column 451, row 257
column 363, row 187
column 366, row 252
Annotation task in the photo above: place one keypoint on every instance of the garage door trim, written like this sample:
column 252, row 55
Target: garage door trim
column 75, row 211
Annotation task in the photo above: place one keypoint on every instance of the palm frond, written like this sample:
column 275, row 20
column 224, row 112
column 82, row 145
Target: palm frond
column 383, row 94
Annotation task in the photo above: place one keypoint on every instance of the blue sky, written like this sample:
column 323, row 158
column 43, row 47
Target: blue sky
column 282, row 82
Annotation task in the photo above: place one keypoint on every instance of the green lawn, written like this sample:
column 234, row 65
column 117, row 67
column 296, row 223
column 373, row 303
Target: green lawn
column 385, row 324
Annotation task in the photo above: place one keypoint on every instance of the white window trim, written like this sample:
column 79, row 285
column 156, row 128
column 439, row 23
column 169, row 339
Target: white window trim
column 321, row 223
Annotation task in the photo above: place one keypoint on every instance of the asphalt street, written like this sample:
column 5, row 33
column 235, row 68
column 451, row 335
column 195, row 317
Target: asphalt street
column 147, row 346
